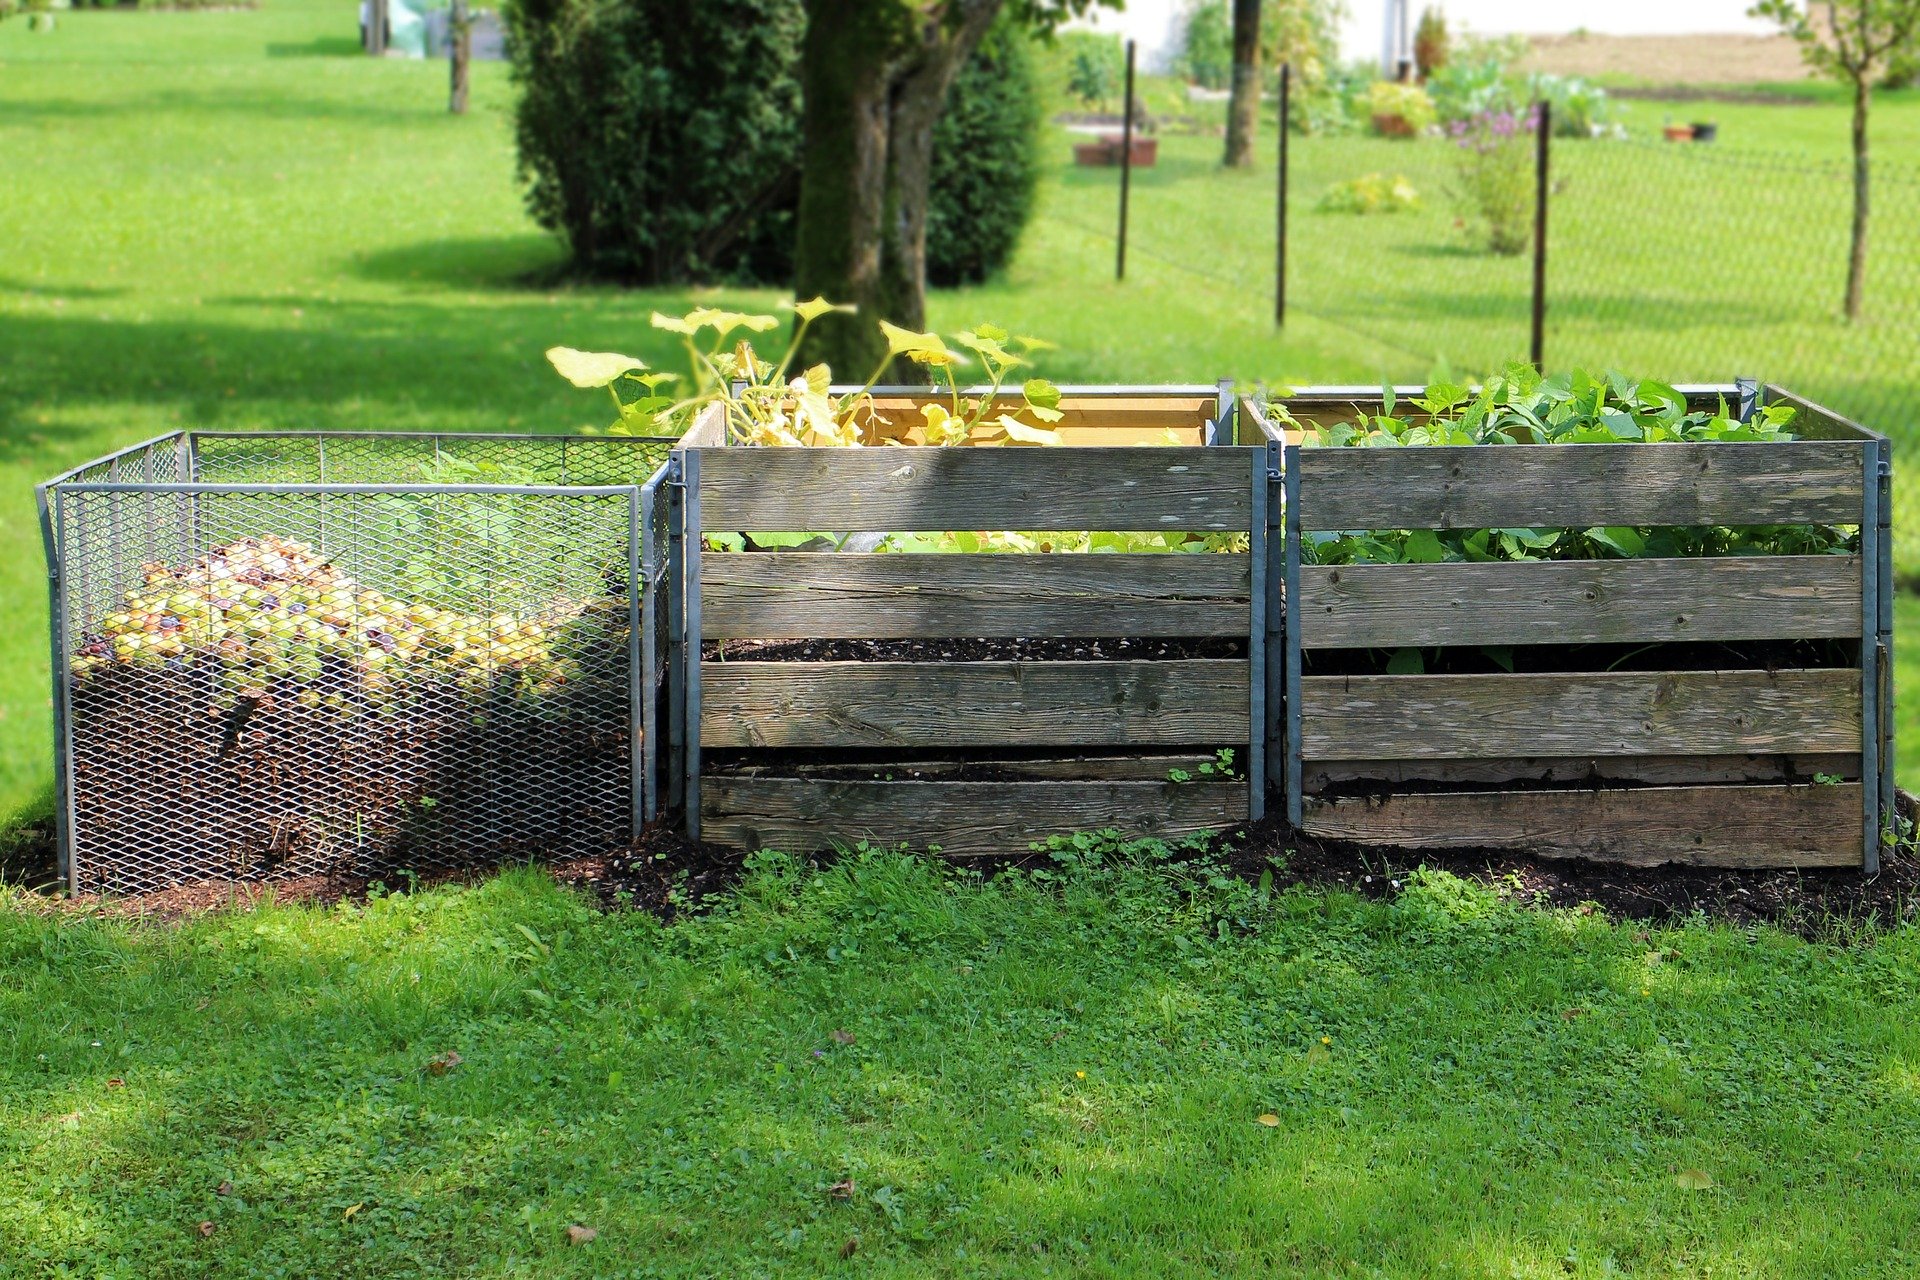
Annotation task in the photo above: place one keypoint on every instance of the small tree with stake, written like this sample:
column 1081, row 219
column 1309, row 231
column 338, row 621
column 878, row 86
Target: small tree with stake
column 1853, row 43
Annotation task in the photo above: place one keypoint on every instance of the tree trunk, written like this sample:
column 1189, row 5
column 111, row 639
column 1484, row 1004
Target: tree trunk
column 1243, row 108
column 1857, row 253
column 460, row 31
column 874, row 78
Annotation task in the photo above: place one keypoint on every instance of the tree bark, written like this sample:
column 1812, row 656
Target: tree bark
column 1857, row 251
column 1243, row 108
column 460, row 33
column 874, row 76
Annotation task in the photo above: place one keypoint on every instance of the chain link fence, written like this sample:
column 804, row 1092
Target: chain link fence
column 282, row 655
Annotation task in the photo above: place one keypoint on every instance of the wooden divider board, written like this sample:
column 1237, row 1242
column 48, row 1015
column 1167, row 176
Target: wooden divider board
column 1579, row 601
column 1679, row 770
column 760, row 595
column 1724, row 826
column 964, row 819
column 1578, row 485
column 1131, row 421
column 1617, row 713
column 1199, row 702
column 911, row 490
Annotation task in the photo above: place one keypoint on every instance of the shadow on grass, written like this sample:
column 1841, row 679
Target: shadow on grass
column 526, row 261
column 318, row 47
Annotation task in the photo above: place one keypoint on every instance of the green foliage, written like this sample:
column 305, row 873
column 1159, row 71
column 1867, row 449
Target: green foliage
column 1370, row 193
column 1096, row 68
column 1301, row 33
column 1522, row 407
column 986, row 160
column 1407, row 103
column 657, row 138
column 1478, row 78
column 1579, row 108
column 661, row 141
column 1862, row 39
column 1494, row 171
column 1432, row 42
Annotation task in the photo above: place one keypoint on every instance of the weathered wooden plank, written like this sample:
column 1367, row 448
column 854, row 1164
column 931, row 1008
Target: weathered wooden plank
column 709, row 429
column 1090, row 420
column 962, row 819
column 919, row 489
column 1577, row 485
column 1579, row 601
column 954, row 704
column 1814, row 421
column 1736, row 826
column 1649, row 770
column 982, row 767
column 770, row 594
column 1611, row 713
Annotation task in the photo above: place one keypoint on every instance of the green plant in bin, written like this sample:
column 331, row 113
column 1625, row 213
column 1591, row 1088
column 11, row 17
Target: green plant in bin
column 768, row 402
column 1520, row 406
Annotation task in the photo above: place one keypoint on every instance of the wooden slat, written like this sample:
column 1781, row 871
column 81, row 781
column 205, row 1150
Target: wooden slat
column 708, row 430
column 1648, row 770
column 1579, row 601
column 753, row 595
column 1092, row 420
column 1132, row 767
column 954, row 704
column 910, row 490
column 1614, row 713
column 1814, row 421
column 1739, row 826
column 964, row 819
column 1577, row 485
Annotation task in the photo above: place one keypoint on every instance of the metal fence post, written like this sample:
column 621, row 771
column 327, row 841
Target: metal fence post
column 675, row 771
column 53, row 540
column 1126, row 168
column 1542, row 153
column 639, row 511
column 1280, row 257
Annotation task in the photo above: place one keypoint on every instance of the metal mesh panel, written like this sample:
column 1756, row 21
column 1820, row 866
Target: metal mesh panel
column 267, row 683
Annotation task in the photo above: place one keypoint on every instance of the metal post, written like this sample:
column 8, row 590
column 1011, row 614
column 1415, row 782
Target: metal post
column 639, row 512
column 1889, row 795
column 690, row 643
column 1224, row 428
column 1748, row 392
column 1290, row 477
column 1257, row 643
column 1280, row 257
column 1542, row 151
column 1276, row 672
column 1870, row 529
column 676, row 630
column 53, row 540
column 1126, row 168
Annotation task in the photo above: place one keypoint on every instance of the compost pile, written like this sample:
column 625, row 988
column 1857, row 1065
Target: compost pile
column 259, row 712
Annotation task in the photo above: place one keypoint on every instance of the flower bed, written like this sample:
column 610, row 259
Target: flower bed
column 1587, row 620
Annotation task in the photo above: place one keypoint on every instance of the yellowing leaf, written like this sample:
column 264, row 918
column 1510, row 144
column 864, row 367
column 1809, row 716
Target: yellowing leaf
column 1268, row 1119
column 942, row 427
column 1020, row 433
column 351, row 1210
column 591, row 368
column 577, row 1234
column 726, row 322
column 814, row 308
column 673, row 324
column 927, row 348
column 819, row 379
column 1693, row 1179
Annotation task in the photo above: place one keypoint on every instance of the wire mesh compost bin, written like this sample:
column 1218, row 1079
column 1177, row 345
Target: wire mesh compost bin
column 287, row 654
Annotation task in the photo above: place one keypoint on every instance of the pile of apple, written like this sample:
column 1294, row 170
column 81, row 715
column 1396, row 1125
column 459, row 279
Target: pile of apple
column 272, row 615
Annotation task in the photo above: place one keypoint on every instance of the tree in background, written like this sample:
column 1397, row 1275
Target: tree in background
column 1094, row 75
column 1303, row 34
column 1431, row 42
column 874, row 75
column 986, row 160
column 1853, row 41
column 1243, row 107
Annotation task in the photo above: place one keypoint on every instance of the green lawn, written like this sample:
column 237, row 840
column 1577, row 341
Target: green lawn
column 1026, row 1077
column 230, row 220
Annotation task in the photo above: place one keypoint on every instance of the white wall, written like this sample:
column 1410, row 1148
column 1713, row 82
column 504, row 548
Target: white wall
column 1155, row 25
column 1360, row 38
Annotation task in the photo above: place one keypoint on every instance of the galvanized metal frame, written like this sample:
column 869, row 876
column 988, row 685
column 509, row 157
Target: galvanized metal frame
column 690, row 643
column 1290, row 477
column 675, row 765
column 1257, row 524
column 1889, row 794
column 1870, row 537
column 653, row 572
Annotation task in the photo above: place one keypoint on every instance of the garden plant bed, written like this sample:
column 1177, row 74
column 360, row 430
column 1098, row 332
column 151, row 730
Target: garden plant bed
column 977, row 702
column 1727, row 710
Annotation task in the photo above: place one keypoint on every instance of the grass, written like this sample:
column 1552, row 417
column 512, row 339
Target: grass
column 1054, row 1074
column 230, row 220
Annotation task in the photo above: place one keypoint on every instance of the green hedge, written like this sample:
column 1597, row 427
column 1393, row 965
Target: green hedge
column 661, row 141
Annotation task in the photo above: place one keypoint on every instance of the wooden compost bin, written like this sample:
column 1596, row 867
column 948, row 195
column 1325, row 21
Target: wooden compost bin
column 976, row 757
column 1743, row 766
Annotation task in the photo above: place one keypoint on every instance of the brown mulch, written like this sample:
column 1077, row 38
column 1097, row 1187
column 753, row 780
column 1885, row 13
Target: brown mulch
column 668, row 875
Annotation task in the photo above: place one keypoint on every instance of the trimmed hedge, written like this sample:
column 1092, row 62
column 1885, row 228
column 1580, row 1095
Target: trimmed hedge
column 661, row 141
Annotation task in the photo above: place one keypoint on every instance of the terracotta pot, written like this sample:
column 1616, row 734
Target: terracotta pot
column 1106, row 151
column 1393, row 126
column 1679, row 133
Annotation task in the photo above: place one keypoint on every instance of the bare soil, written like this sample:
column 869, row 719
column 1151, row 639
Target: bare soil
column 1681, row 62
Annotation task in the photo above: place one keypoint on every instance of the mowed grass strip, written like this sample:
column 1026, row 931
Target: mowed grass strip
column 885, row 1068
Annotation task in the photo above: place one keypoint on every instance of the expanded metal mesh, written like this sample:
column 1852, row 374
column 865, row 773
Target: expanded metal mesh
column 267, row 674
